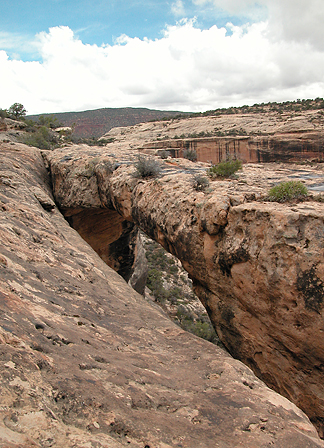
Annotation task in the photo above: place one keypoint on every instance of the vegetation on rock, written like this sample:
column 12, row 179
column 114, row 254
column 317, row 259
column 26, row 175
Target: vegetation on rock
column 190, row 154
column 146, row 167
column 172, row 289
column 286, row 191
column 164, row 154
column 225, row 169
column 200, row 182
column 41, row 137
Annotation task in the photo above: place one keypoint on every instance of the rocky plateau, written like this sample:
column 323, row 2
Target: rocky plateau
column 257, row 137
column 87, row 361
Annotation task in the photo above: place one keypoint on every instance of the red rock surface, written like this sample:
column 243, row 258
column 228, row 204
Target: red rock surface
column 258, row 137
column 86, row 361
column 257, row 266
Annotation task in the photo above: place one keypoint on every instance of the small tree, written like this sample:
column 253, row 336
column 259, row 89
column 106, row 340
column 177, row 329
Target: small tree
column 17, row 111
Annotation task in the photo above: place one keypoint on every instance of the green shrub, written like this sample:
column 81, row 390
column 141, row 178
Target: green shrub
column 225, row 169
column 43, row 138
column 50, row 121
column 200, row 182
column 200, row 326
column 286, row 191
column 190, row 154
column 146, row 167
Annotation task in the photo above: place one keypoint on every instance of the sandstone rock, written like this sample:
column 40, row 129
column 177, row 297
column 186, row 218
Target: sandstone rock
column 86, row 361
column 258, row 137
column 257, row 266
column 15, row 124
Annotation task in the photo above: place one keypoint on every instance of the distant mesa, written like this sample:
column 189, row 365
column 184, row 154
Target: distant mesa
column 95, row 123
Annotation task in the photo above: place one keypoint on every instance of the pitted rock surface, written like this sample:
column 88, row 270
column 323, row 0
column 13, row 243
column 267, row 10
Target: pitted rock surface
column 86, row 361
column 257, row 266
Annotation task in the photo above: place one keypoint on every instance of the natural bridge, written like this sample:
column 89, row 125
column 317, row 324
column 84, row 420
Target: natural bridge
column 87, row 361
column 257, row 266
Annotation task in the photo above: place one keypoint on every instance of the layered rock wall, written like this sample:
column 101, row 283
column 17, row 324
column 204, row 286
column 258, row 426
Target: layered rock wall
column 257, row 137
column 291, row 147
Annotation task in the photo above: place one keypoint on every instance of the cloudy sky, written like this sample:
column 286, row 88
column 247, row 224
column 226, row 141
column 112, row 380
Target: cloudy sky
column 188, row 55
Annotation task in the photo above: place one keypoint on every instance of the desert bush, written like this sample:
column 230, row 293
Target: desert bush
column 225, row 169
column 43, row 138
column 200, row 182
column 50, row 121
column 164, row 154
column 201, row 327
column 318, row 198
column 146, row 167
column 190, row 154
column 286, row 191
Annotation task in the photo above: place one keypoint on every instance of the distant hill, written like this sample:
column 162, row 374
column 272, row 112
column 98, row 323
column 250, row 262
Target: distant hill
column 95, row 123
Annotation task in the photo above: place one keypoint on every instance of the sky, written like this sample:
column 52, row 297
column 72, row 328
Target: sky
column 185, row 55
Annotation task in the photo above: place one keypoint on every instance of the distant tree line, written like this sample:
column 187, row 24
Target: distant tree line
column 286, row 106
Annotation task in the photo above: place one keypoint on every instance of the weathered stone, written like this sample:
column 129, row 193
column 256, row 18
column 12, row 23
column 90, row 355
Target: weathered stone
column 86, row 361
column 257, row 137
column 256, row 265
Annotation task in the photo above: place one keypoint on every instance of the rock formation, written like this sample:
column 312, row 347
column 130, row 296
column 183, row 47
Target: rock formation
column 258, row 137
column 86, row 361
column 257, row 266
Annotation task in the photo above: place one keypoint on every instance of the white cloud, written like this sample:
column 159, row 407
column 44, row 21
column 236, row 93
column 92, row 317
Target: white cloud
column 232, row 6
column 187, row 69
column 298, row 20
column 178, row 9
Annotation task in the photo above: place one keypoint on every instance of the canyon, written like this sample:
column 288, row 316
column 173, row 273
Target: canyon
column 257, row 266
column 87, row 361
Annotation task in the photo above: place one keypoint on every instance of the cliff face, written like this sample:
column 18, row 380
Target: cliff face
column 259, row 137
column 257, row 266
column 291, row 147
column 86, row 361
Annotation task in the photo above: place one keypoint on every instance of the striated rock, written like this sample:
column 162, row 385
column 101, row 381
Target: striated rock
column 86, row 361
column 257, row 266
column 258, row 137
column 292, row 147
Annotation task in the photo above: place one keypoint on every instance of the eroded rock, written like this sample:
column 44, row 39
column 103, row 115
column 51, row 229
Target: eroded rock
column 257, row 266
column 257, row 137
column 85, row 360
